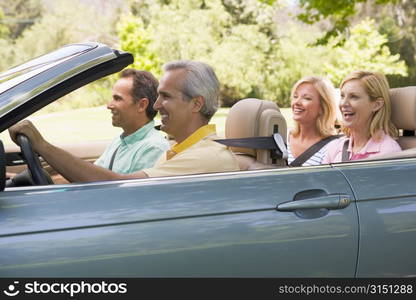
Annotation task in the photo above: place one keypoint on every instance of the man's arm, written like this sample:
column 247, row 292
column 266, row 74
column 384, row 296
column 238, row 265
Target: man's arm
column 72, row 168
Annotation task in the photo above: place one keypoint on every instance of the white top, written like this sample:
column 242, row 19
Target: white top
column 314, row 160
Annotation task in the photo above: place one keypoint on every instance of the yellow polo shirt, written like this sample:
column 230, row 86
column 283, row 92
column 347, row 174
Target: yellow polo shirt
column 195, row 155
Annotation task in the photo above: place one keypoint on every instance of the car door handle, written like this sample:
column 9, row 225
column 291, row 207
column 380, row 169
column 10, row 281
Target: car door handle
column 329, row 202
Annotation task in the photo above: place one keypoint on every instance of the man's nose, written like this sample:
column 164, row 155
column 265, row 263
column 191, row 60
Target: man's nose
column 157, row 105
column 110, row 104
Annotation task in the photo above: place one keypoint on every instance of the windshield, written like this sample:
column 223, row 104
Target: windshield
column 29, row 69
column 26, row 70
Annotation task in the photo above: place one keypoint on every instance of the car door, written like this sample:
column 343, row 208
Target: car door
column 386, row 201
column 269, row 223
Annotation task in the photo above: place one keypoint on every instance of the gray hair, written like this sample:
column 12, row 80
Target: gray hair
column 201, row 81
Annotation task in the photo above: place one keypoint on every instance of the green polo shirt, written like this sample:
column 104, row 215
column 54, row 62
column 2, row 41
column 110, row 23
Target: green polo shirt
column 137, row 151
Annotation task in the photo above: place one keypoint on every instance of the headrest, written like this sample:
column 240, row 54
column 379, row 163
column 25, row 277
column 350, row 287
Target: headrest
column 403, row 102
column 252, row 118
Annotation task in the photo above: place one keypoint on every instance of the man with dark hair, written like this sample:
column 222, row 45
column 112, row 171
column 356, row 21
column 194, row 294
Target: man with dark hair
column 140, row 145
column 144, row 86
column 188, row 98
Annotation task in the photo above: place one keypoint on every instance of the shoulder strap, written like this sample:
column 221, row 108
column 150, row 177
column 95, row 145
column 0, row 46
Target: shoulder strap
column 110, row 167
column 345, row 156
column 308, row 153
column 274, row 142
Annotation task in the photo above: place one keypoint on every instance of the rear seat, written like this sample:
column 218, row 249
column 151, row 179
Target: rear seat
column 404, row 114
column 403, row 101
column 255, row 118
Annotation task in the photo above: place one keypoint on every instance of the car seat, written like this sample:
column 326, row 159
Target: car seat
column 403, row 101
column 255, row 118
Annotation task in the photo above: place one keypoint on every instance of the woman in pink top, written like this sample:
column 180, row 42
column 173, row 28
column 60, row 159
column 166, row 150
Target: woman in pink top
column 366, row 119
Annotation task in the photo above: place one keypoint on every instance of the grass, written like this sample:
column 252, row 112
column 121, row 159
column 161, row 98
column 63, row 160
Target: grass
column 90, row 124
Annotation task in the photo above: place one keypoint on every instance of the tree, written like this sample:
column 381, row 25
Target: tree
column 295, row 58
column 339, row 12
column 66, row 22
column 135, row 39
column 395, row 18
column 4, row 31
column 365, row 49
column 21, row 14
column 236, row 39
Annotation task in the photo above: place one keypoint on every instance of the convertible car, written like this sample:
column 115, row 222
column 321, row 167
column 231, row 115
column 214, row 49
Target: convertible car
column 355, row 219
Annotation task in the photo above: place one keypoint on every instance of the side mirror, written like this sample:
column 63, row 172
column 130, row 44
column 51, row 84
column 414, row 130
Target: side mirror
column 2, row 167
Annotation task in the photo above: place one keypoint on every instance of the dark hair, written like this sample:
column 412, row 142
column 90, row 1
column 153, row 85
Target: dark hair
column 144, row 86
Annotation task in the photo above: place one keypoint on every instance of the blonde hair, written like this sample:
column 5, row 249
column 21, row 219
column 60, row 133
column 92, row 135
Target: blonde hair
column 376, row 87
column 325, row 123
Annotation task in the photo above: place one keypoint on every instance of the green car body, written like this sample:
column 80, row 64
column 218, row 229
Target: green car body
column 353, row 219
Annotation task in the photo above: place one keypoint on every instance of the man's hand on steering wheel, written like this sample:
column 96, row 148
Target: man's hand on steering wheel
column 26, row 135
column 29, row 130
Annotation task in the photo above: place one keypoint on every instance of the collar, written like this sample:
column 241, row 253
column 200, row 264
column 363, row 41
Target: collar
column 191, row 140
column 138, row 135
column 372, row 146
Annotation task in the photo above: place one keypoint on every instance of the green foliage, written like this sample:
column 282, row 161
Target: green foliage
column 4, row 31
column 399, row 25
column 396, row 19
column 21, row 14
column 67, row 22
column 205, row 30
column 251, row 57
column 240, row 62
column 294, row 59
column 339, row 12
column 135, row 39
column 269, row 2
column 190, row 32
column 365, row 49
column 253, row 45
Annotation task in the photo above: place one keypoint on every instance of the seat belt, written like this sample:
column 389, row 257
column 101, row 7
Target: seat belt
column 345, row 156
column 308, row 153
column 110, row 167
column 274, row 142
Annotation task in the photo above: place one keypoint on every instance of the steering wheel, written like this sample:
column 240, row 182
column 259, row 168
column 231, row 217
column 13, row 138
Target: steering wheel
column 39, row 176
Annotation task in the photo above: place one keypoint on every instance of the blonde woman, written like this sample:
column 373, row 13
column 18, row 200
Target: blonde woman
column 366, row 119
column 314, row 113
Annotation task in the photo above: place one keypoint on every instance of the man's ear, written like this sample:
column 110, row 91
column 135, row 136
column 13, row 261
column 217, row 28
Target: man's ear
column 142, row 104
column 379, row 103
column 197, row 103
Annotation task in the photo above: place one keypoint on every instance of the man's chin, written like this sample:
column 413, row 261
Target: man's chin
column 115, row 123
column 165, row 129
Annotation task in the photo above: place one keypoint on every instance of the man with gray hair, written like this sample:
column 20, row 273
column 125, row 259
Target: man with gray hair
column 188, row 98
